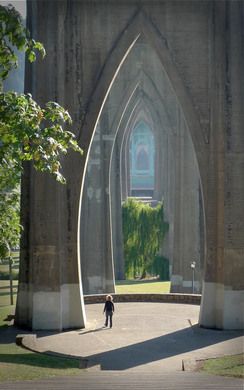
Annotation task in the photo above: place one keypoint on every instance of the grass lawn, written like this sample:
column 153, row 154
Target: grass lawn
column 227, row 366
column 17, row 363
column 142, row 286
column 5, row 311
column 20, row 364
column 5, row 292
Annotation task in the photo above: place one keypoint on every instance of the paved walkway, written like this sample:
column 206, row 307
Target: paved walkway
column 129, row 381
column 145, row 349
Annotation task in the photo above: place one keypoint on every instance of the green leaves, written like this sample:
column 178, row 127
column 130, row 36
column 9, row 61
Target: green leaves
column 10, row 227
column 14, row 34
column 28, row 132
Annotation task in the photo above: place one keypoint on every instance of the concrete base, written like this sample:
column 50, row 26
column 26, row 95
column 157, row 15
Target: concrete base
column 179, row 285
column 54, row 310
column 221, row 308
column 98, row 285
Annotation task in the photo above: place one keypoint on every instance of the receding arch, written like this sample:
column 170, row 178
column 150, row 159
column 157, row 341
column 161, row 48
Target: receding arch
column 142, row 159
column 138, row 25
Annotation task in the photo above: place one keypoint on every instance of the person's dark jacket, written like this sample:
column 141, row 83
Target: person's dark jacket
column 109, row 306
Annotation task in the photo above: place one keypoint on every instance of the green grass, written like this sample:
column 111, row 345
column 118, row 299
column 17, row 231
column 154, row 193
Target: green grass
column 142, row 286
column 5, row 292
column 4, row 264
column 226, row 366
column 4, row 313
column 20, row 364
column 4, row 268
column 17, row 363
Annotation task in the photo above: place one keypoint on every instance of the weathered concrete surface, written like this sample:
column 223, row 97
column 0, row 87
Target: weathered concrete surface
column 199, row 45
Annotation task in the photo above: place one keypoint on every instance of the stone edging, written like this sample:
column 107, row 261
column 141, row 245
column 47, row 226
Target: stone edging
column 193, row 299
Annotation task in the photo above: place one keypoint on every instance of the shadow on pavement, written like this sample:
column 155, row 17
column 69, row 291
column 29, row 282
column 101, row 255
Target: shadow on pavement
column 160, row 348
column 94, row 330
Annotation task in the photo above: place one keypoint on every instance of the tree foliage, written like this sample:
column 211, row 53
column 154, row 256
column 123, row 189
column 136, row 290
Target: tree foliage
column 143, row 231
column 13, row 34
column 28, row 132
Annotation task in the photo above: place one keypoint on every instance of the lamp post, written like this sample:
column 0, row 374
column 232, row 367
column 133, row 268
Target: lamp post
column 193, row 266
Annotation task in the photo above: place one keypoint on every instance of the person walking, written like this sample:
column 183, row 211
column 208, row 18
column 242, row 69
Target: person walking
column 109, row 310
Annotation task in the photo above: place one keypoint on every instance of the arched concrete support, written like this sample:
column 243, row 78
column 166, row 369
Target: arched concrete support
column 98, row 211
column 92, row 210
column 223, row 289
column 200, row 47
column 50, row 293
column 186, row 217
column 96, row 238
column 186, row 208
column 188, row 213
column 193, row 125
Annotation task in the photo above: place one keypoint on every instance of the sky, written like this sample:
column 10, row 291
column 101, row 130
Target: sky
column 20, row 5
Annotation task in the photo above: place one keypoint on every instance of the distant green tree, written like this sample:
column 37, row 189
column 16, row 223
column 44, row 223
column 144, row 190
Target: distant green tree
column 28, row 132
column 144, row 228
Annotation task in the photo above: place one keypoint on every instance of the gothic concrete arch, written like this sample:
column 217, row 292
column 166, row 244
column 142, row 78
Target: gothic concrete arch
column 200, row 47
column 107, row 255
column 190, row 114
column 141, row 25
column 145, row 28
column 132, row 120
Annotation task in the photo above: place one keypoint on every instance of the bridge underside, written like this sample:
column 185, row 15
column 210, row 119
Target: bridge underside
column 178, row 65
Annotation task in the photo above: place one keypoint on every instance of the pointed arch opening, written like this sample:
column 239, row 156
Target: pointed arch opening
column 136, row 87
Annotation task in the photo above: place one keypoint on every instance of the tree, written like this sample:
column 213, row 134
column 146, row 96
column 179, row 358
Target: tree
column 143, row 232
column 28, row 132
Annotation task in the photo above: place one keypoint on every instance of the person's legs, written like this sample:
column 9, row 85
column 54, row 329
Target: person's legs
column 106, row 321
column 110, row 318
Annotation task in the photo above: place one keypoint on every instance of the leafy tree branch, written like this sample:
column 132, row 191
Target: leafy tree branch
column 28, row 132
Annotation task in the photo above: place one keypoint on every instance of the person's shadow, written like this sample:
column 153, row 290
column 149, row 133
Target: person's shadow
column 94, row 330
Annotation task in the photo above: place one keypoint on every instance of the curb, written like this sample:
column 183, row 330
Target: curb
column 191, row 299
column 28, row 341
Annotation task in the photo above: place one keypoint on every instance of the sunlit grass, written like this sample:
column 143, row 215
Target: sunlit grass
column 17, row 363
column 227, row 366
column 5, row 292
column 142, row 286
column 5, row 312
column 20, row 364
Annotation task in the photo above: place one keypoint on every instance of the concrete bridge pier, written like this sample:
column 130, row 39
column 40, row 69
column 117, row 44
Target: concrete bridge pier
column 199, row 46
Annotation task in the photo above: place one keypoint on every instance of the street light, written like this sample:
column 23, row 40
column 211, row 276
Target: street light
column 193, row 266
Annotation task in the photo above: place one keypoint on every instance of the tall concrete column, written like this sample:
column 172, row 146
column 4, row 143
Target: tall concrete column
column 186, row 215
column 176, row 277
column 116, row 214
column 190, row 249
column 96, row 235
column 223, row 288
column 49, row 293
column 234, row 162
